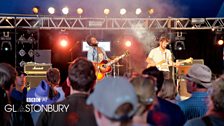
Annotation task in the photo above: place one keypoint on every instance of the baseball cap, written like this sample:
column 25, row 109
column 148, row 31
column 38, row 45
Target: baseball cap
column 110, row 93
column 201, row 74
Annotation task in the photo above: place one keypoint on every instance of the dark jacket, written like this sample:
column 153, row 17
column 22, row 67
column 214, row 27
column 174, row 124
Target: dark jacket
column 78, row 114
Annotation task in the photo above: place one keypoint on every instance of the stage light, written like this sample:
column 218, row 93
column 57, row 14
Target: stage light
column 106, row 11
column 64, row 42
column 65, row 10
column 138, row 11
column 220, row 42
column 123, row 11
column 51, row 10
column 22, row 63
column 79, row 11
column 31, row 53
column 128, row 43
column 197, row 21
column 22, row 52
column 151, row 11
column 36, row 10
column 6, row 46
column 179, row 45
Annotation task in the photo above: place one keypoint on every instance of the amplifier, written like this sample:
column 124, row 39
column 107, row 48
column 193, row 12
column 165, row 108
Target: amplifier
column 32, row 68
column 35, row 73
column 33, row 81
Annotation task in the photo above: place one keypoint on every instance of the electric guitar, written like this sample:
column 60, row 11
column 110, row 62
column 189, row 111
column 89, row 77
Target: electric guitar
column 163, row 66
column 105, row 66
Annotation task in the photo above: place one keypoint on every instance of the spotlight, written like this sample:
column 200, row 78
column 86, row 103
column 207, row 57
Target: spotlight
column 22, row 52
column 138, row 11
column 51, row 10
column 220, row 42
column 106, row 11
column 63, row 42
column 151, row 11
column 6, row 46
column 36, row 10
column 123, row 11
column 65, row 10
column 22, row 63
column 128, row 43
column 179, row 45
column 79, row 11
column 31, row 53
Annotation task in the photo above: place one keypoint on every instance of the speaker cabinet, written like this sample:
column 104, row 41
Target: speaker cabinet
column 42, row 56
column 34, row 80
column 183, row 68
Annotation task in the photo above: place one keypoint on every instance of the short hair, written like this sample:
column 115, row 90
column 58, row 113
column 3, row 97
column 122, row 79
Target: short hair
column 164, row 37
column 153, row 71
column 81, row 74
column 217, row 94
column 7, row 75
column 53, row 75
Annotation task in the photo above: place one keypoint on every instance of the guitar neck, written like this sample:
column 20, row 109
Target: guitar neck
column 115, row 60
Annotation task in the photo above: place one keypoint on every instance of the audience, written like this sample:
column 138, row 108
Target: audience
column 54, row 78
column 163, row 112
column 114, row 101
column 168, row 91
column 215, row 113
column 81, row 79
column 18, row 99
column 7, row 80
column 198, row 81
column 145, row 88
column 153, row 71
column 145, row 100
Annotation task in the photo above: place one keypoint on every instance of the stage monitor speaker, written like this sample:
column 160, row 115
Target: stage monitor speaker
column 42, row 56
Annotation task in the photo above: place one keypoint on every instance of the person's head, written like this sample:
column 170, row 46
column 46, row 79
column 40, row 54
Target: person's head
column 217, row 95
column 168, row 90
column 21, row 79
column 114, row 101
column 163, row 42
column 81, row 74
column 145, row 88
column 53, row 76
column 198, row 77
column 153, row 71
column 92, row 41
column 7, row 76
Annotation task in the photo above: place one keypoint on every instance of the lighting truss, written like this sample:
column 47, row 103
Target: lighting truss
column 72, row 23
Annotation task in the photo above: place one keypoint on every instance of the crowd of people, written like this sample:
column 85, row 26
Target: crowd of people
column 150, row 98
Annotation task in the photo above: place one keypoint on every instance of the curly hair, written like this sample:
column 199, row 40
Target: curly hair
column 81, row 74
column 217, row 94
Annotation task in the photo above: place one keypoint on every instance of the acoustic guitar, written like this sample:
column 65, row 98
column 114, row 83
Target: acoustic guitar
column 105, row 66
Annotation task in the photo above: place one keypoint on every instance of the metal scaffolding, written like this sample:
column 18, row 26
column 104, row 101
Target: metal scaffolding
column 72, row 23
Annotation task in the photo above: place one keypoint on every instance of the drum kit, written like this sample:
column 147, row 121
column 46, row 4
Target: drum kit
column 116, row 68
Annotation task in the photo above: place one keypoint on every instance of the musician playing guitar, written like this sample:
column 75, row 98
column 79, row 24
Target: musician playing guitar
column 99, row 58
column 161, row 57
column 96, row 54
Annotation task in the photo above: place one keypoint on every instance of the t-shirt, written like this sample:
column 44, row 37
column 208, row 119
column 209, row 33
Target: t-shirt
column 161, row 57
